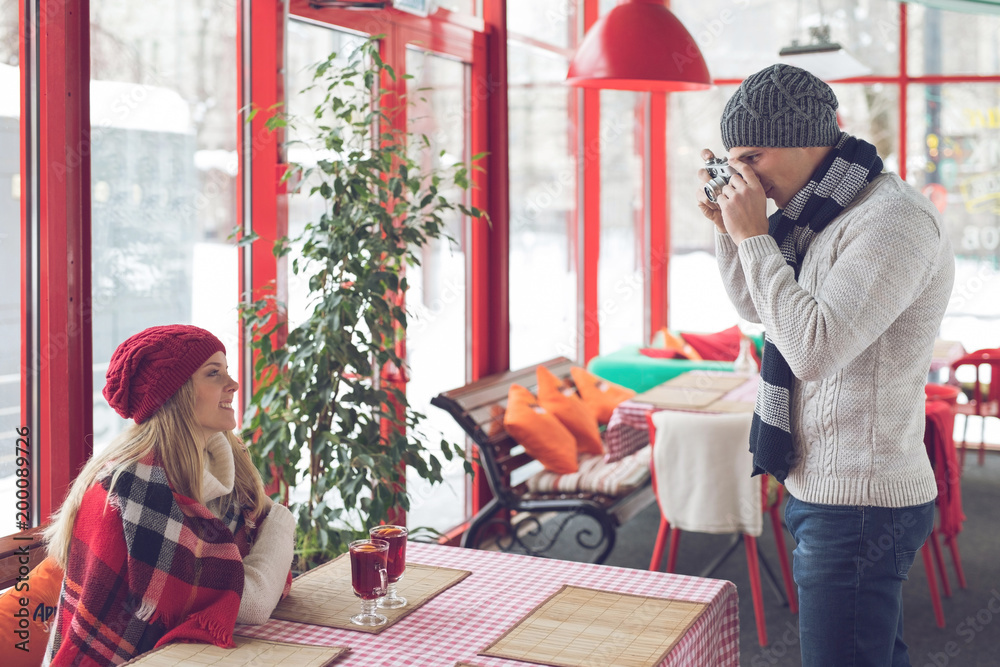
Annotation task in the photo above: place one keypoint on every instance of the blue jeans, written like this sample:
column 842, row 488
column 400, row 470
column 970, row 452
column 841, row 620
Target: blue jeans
column 849, row 564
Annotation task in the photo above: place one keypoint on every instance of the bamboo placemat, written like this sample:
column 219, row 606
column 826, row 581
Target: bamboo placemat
column 678, row 398
column 583, row 627
column 729, row 406
column 708, row 382
column 324, row 596
column 248, row 652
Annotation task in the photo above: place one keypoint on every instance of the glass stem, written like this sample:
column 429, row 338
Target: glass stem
column 368, row 607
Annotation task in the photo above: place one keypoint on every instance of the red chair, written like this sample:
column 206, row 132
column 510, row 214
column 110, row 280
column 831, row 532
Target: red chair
column 984, row 400
column 770, row 504
column 940, row 443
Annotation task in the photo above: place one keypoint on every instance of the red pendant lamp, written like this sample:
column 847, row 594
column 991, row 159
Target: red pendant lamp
column 639, row 45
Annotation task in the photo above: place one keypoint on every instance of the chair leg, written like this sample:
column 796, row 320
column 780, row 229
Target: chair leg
column 957, row 560
column 661, row 540
column 786, row 570
column 758, row 599
column 470, row 539
column 965, row 432
column 982, row 442
column 675, row 540
column 925, row 551
column 936, row 550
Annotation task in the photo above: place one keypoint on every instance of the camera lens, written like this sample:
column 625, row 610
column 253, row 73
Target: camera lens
column 714, row 187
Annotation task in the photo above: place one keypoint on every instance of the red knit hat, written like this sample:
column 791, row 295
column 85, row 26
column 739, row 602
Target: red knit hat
column 149, row 368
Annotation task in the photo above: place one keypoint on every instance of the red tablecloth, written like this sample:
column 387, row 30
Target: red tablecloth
column 940, row 443
column 502, row 589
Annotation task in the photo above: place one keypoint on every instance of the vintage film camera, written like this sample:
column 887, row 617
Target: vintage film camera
column 718, row 169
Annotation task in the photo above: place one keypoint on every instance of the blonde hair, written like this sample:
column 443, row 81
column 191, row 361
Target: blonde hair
column 174, row 434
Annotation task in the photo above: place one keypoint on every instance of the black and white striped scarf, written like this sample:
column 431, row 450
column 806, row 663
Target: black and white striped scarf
column 851, row 166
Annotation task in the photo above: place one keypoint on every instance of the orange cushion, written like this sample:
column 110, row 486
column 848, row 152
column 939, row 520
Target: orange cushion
column 41, row 593
column 567, row 407
column 600, row 396
column 539, row 432
column 668, row 341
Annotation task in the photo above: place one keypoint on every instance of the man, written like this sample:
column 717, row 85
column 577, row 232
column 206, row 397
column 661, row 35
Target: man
column 850, row 279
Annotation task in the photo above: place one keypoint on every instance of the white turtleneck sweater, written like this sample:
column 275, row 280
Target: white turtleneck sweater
column 266, row 566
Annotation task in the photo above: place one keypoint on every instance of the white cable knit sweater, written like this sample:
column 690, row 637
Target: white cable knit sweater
column 857, row 330
column 266, row 566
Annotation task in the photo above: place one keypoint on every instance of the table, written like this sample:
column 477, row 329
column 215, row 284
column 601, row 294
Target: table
column 628, row 431
column 502, row 589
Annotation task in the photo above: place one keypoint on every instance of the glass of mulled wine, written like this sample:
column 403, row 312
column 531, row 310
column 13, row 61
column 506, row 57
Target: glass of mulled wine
column 396, row 561
column 368, row 577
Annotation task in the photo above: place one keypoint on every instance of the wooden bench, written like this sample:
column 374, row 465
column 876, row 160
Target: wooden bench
column 479, row 408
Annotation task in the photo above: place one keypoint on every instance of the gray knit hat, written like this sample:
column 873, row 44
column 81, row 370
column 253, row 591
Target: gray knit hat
column 781, row 106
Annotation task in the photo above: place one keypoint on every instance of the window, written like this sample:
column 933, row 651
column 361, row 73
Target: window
column 470, row 7
column 548, row 21
column 740, row 38
column 543, row 185
column 954, row 153
column 951, row 43
column 621, row 279
column 10, row 252
column 308, row 44
column 163, row 162
column 436, row 343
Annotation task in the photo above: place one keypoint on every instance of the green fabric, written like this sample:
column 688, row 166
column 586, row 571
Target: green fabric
column 630, row 368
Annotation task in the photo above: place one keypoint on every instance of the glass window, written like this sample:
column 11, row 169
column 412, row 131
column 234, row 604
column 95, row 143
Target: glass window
column 871, row 112
column 620, row 275
column 10, row 253
column 163, row 161
column 436, row 349
column 549, row 21
column 307, row 45
column 542, row 208
column 954, row 153
column 461, row 6
column 740, row 38
column 697, row 299
column 942, row 42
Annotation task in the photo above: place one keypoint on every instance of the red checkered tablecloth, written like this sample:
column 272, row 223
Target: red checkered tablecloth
column 628, row 432
column 502, row 589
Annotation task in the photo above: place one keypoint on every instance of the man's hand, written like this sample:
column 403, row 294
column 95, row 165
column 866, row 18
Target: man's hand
column 743, row 203
column 708, row 208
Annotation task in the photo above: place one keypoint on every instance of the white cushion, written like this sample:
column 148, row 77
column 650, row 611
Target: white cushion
column 597, row 476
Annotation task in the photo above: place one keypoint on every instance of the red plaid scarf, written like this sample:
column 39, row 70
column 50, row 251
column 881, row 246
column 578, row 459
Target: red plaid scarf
column 147, row 567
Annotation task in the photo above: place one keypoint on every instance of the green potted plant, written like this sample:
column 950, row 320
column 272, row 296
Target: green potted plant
column 327, row 411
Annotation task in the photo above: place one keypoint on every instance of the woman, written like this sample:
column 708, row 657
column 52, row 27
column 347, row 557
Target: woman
column 167, row 534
